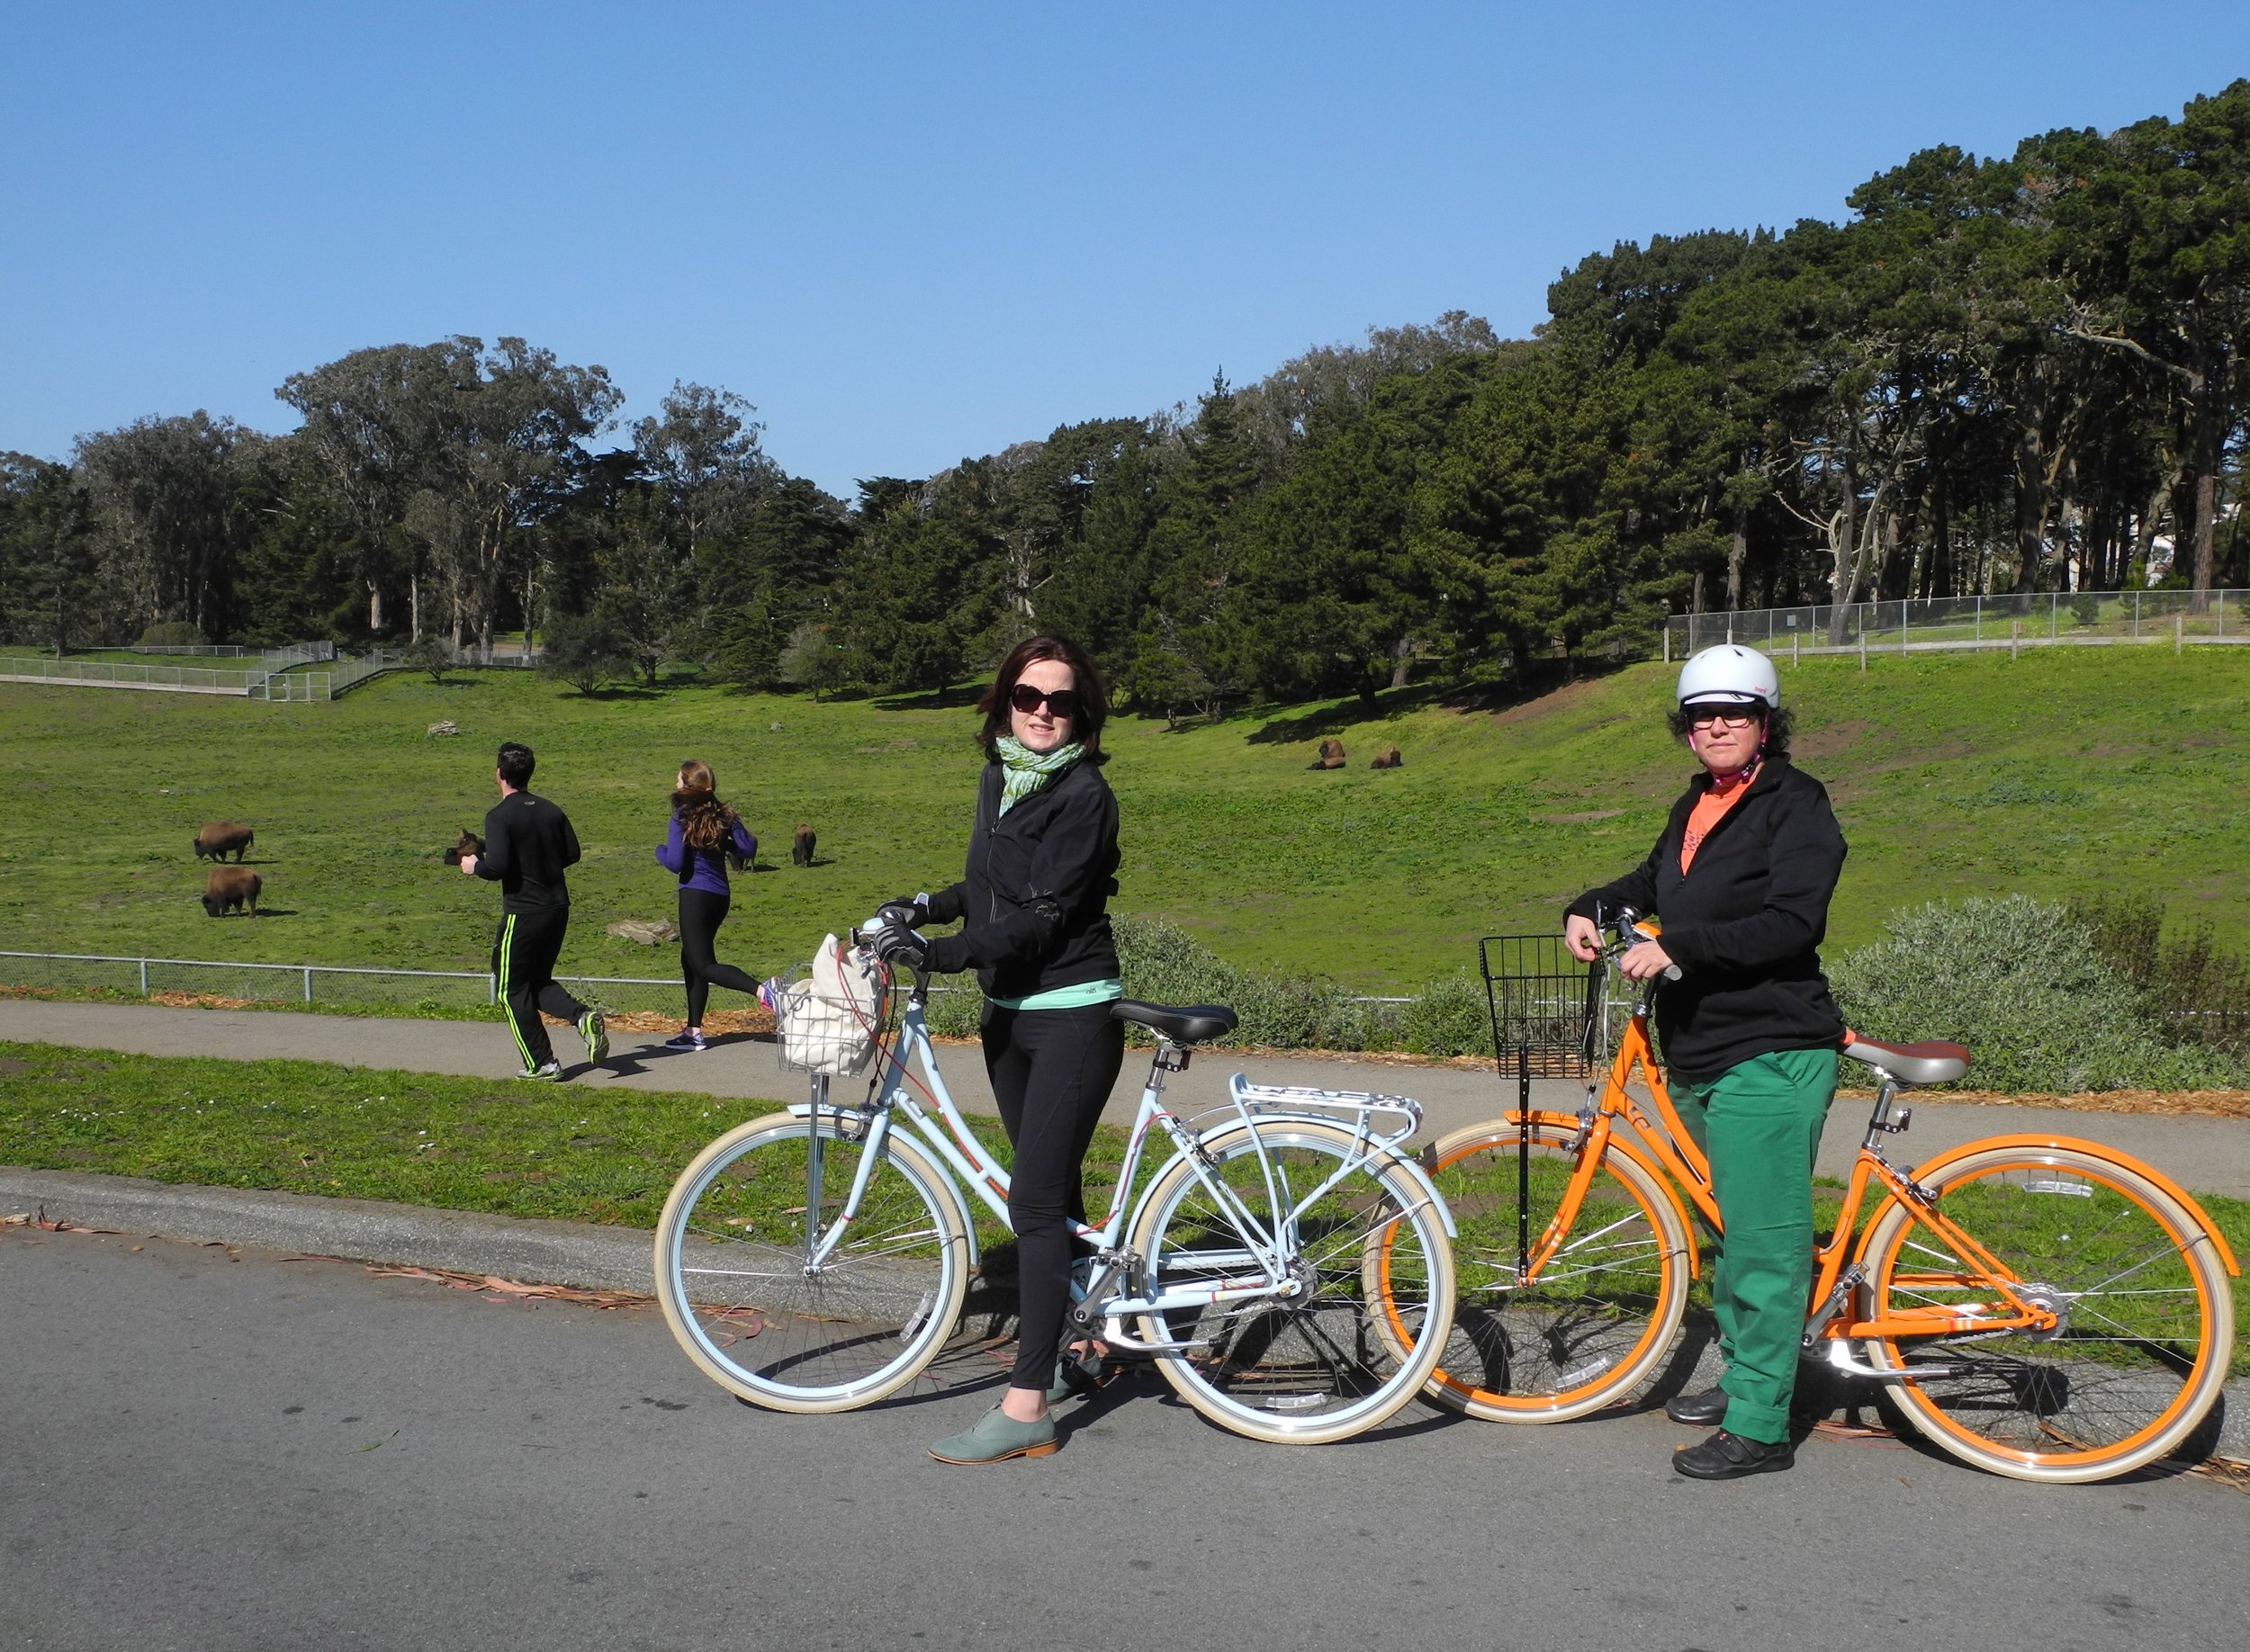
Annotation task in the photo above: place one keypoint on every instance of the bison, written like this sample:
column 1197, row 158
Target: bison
column 229, row 887
column 467, row 845
column 1388, row 757
column 801, row 846
column 1331, row 755
column 218, row 837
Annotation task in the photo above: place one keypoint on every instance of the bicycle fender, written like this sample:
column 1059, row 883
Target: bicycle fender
column 1620, row 1142
column 2101, row 1151
column 1377, row 1154
column 804, row 1110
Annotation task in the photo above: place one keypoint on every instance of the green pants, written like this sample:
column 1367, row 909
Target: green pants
column 1759, row 1124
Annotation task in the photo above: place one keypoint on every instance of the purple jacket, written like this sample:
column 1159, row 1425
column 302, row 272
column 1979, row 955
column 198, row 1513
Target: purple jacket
column 703, row 869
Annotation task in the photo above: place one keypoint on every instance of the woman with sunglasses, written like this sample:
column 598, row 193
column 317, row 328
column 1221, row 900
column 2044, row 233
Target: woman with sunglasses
column 1034, row 906
column 1741, row 877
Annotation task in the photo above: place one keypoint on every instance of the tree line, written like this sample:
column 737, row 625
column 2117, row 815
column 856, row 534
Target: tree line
column 1997, row 374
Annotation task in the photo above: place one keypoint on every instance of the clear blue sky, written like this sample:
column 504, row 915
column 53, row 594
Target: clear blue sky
column 911, row 232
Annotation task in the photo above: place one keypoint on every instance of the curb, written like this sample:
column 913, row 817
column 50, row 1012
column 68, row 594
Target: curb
column 582, row 1255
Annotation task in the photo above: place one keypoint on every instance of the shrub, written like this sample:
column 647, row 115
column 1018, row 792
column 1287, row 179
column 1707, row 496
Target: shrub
column 2022, row 983
column 2085, row 608
column 581, row 651
column 174, row 633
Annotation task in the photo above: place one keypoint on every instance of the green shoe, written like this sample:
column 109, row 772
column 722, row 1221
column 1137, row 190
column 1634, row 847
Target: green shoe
column 996, row 1438
column 1075, row 1377
column 592, row 1029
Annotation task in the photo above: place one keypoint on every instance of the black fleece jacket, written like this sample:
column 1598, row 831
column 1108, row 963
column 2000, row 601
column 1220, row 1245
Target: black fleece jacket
column 1744, row 923
column 527, row 843
column 1036, row 893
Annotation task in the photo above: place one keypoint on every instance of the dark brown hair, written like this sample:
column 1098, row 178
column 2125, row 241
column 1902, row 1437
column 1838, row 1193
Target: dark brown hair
column 705, row 822
column 1085, row 681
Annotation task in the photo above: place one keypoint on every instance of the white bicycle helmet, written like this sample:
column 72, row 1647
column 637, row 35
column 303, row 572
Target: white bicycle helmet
column 1729, row 674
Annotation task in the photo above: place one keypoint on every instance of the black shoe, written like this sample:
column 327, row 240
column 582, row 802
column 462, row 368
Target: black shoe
column 1704, row 1410
column 1730, row 1456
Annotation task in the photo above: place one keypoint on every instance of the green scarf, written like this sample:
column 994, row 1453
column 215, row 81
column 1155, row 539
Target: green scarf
column 1024, row 770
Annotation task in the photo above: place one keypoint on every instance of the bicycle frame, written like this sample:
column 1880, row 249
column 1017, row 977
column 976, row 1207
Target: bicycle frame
column 1662, row 1145
column 1268, row 1244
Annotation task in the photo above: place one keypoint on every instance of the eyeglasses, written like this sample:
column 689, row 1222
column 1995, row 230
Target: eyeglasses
column 1734, row 716
column 1060, row 703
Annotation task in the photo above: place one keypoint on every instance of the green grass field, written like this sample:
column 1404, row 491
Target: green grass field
column 2064, row 772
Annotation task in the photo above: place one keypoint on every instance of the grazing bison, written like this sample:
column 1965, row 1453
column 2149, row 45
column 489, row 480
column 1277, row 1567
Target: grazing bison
column 1388, row 757
column 1331, row 755
column 801, row 847
column 229, row 887
column 467, row 844
column 218, row 837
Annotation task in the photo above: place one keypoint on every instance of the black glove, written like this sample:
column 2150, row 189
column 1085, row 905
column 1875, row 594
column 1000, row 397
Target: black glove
column 900, row 914
column 897, row 945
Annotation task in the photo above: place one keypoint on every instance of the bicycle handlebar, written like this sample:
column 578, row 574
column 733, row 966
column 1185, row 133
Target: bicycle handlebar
column 1622, row 926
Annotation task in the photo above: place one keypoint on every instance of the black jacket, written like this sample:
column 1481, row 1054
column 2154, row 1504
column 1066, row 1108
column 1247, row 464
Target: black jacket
column 1036, row 891
column 528, row 842
column 1744, row 923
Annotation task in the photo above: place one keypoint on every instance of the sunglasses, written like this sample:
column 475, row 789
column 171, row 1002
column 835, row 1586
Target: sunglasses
column 1060, row 703
column 1734, row 716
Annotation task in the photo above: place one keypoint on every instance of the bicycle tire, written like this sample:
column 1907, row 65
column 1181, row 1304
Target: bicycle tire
column 755, row 1321
column 1318, row 1370
column 1603, row 1313
column 2148, row 1329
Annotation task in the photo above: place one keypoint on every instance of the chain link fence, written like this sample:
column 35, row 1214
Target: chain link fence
column 2012, row 620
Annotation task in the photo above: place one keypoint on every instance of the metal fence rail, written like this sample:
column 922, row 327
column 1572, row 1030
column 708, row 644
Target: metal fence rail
column 2043, row 619
column 345, row 987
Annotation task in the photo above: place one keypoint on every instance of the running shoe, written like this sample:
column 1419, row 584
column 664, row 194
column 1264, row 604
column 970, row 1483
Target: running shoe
column 547, row 1070
column 687, row 1040
column 597, row 1035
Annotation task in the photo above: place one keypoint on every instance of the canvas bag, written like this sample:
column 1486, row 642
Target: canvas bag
column 827, row 1019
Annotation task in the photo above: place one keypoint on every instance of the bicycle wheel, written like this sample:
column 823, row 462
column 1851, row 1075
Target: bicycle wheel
column 732, row 1271
column 1313, row 1366
column 2146, row 1314
column 1598, row 1317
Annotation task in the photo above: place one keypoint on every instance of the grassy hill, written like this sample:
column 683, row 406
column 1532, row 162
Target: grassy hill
column 2063, row 772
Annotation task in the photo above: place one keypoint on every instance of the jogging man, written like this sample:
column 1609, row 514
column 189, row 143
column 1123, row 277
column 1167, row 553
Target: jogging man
column 527, row 843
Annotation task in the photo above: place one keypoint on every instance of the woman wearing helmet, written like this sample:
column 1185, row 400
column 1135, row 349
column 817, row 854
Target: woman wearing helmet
column 1741, row 877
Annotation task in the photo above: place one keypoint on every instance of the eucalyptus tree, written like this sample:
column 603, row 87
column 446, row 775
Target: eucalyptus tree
column 164, row 495
column 47, row 553
column 700, row 450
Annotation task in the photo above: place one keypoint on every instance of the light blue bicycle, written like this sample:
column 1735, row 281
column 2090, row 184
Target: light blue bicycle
column 1284, row 1265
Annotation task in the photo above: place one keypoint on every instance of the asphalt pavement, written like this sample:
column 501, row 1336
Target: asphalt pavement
column 207, row 1448
column 2208, row 1155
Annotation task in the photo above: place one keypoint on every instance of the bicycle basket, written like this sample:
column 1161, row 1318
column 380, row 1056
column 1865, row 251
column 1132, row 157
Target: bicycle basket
column 1543, row 1003
column 829, row 1015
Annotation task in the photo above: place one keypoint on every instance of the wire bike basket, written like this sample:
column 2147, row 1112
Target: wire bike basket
column 1548, row 1012
column 829, row 1015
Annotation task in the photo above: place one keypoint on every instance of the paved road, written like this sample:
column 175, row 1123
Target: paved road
column 202, row 1451
column 2209, row 1155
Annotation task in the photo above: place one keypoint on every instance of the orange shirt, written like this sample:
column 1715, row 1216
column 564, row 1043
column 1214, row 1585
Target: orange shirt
column 1709, row 811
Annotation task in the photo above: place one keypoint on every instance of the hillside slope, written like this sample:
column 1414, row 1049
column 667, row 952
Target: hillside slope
column 2060, row 773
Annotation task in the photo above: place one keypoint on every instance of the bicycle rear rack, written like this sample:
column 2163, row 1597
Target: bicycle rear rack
column 1358, row 1109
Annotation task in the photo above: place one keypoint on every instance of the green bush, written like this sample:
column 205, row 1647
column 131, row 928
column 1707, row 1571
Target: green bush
column 2022, row 984
column 174, row 633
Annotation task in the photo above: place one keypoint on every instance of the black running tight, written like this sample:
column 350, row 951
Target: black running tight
column 1051, row 1072
column 700, row 914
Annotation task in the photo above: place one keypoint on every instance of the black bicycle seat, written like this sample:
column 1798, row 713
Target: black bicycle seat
column 1184, row 1024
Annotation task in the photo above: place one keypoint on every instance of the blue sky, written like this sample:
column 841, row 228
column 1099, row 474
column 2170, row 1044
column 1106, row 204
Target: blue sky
column 911, row 232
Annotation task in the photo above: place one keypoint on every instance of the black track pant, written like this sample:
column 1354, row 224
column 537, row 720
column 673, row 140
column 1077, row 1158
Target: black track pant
column 1051, row 1072
column 700, row 914
column 523, row 966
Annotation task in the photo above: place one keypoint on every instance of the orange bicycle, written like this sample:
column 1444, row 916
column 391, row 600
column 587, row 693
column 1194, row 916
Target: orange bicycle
column 2038, row 1306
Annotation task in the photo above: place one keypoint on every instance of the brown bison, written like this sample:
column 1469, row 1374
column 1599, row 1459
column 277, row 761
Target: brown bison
column 218, row 837
column 467, row 844
column 801, row 846
column 1388, row 757
column 1331, row 755
column 229, row 887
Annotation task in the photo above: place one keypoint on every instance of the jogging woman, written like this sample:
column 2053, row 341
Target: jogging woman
column 1042, row 865
column 704, row 833
column 1741, row 877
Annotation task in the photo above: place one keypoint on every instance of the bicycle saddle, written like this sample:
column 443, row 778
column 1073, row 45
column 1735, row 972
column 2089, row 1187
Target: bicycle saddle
column 1928, row 1063
column 1186, row 1024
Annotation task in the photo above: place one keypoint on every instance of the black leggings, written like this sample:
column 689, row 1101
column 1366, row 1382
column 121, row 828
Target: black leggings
column 1051, row 1072
column 700, row 914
